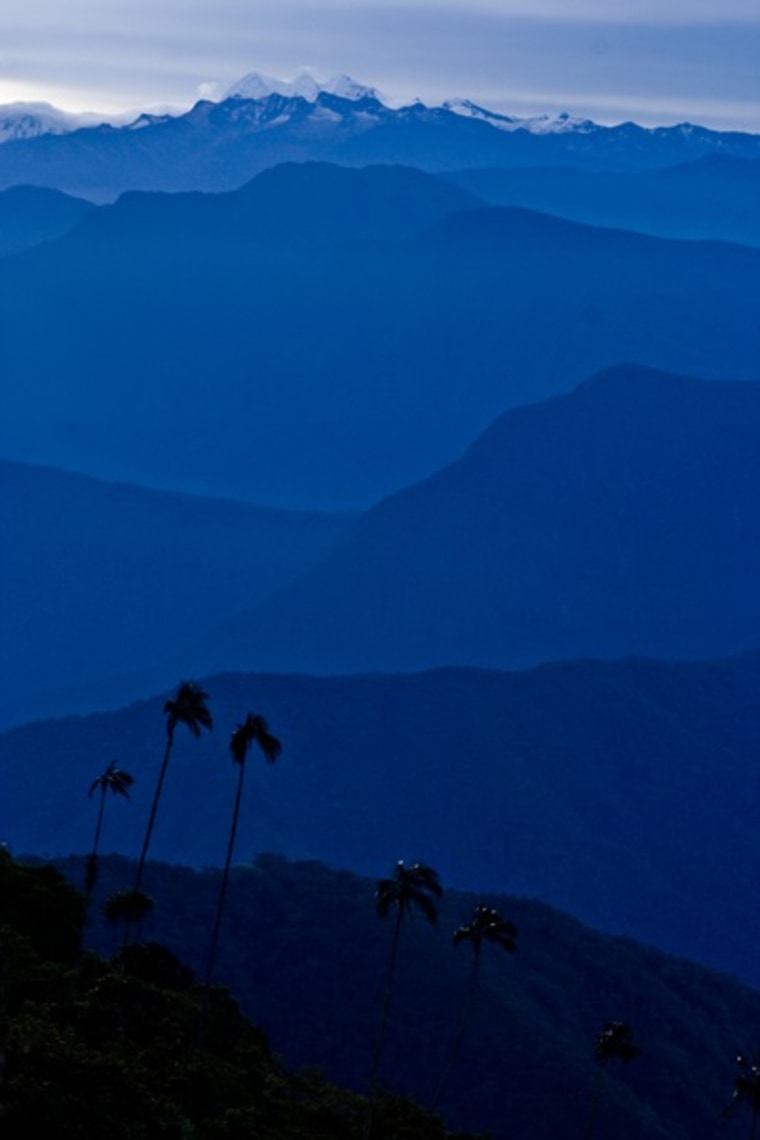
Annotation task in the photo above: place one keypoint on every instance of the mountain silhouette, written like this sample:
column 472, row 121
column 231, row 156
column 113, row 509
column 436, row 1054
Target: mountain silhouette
column 359, row 363
column 30, row 215
column 98, row 580
column 219, row 146
column 620, row 518
column 713, row 198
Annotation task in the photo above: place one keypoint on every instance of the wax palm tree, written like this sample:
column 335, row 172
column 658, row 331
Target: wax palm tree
column 747, row 1090
column 409, row 889
column 614, row 1042
column 188, row 707
column 486, row 925
column 118, row 782
column 253, row 730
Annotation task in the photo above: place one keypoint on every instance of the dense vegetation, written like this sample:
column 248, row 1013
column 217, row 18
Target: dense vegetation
column 302, row 950
column 133, row 1048
column 305, row 954
column 599, row 787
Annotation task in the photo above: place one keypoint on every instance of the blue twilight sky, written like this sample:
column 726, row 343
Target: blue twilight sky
column 655, row 61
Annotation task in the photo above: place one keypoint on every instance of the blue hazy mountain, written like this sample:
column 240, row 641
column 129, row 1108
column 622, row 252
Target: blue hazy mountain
column 30, row 215
column 332, row 359
column 99, row 580
column 713, row 198
column 619, row 791
column 621, row 518
column 290, row 205
column 219, row 146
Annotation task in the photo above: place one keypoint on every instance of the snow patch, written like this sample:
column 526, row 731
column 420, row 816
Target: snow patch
column 304, row 86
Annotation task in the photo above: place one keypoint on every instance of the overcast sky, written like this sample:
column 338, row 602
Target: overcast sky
column 654, row 61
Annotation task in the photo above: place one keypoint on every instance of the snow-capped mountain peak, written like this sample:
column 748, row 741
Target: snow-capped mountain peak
column 29, row 120
column 347, row 88
column 304, row 86
column 536, row 124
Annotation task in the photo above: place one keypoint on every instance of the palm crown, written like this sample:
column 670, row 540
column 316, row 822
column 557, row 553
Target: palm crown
column 615, row 1043
column 254, row 730
column 409, row 887
column 188, row 707
column 114, row 780
column 487, row 925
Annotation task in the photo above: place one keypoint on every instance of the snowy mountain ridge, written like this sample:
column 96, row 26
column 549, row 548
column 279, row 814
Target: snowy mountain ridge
column 257, row 86
column 31, row 120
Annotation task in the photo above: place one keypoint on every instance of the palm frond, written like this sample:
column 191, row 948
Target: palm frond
column 113, row 779
column 188, row 707
column 409, row 888
column 746, row 1083
column 615, row 1043
column 417, row 898
column 487, row 925
column 254, row 730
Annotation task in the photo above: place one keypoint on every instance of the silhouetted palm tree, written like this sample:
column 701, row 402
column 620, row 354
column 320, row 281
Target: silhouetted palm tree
column 129, row 906
column 410, row 888
column 486, row 925
column 253, row 730
column 747, row 1090
column 189, row 708
column 614, row 1042
column 118, row 782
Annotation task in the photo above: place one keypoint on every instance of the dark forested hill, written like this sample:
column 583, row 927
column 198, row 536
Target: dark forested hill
column 623, row 792
column 134, row 1047
column 304, row 952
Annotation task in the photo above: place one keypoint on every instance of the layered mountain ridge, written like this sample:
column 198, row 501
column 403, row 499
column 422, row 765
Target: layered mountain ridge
column 218, row 146
column 362, row 326
column 622, row 792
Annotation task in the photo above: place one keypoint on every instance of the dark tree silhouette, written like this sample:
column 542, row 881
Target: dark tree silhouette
column 130, row 907
column 188, row 707
column 747, row 1090
column 118, row 782
column 486, row 925
column 614, row 1042
column 409, row 889
column 253, row 730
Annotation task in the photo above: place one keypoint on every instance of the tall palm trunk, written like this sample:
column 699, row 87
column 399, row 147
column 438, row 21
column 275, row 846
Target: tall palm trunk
column 91, row 872
column 154, row 808
column 225, row 876
column 464, row 1019
column 384, row 1020
column 593, row 1106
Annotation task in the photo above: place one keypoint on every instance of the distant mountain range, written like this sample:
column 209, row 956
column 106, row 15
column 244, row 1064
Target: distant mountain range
column 219, row 146
column 30, row 120
column 324, row 336
column 623, row 792
column 30, row 215
column 711, row 198
column 99, row 581
column 621, row 518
